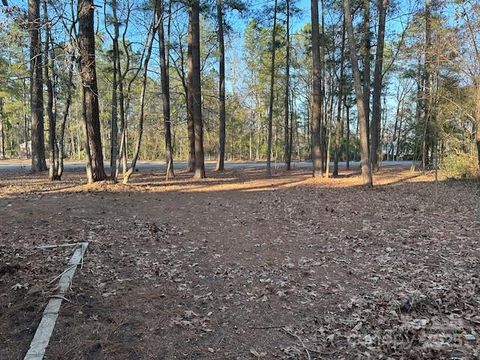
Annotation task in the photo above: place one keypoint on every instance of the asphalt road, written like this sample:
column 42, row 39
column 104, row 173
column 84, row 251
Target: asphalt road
column 22, row 166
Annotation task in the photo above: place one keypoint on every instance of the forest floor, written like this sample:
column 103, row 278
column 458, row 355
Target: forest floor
column 242, row 266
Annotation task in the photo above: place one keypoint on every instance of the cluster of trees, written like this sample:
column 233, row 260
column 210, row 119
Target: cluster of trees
column 125, row 79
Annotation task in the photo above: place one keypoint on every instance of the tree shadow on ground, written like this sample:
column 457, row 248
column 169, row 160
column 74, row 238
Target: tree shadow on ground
column 189, row 261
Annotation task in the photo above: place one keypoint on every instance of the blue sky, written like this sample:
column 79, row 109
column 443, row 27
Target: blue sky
column 395, row 23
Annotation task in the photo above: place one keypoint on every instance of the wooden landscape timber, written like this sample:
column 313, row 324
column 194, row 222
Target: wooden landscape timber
column 44, row 331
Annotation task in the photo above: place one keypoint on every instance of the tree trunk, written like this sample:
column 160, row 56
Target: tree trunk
column 476, row 82
column 52, row 121
column 323, row 108
column 68, row 102
column 141, row 116
column 272, row 84
column 316, row 108
column 338, row 129
column 221, row 88
column 477, row 118
column 292, row 128
column 26, row 125
column 395, row 129
column 2, row 132
column 122, row 156
column 115, row 75
column 287, row 128
column 399, row 135
column 190, row 124
column 428, row 96
column 347, row 121
column 195, row 89
column 165, row 84
column 377, row 87
column 367, row 47
column 418, row 110
column 36, row 88
column 91, row 112
column 362, row 119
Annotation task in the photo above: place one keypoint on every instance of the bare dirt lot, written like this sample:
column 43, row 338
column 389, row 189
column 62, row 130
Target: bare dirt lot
column 241, row 266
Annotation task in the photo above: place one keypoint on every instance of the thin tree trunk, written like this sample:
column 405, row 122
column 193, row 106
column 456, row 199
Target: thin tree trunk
column 399, row 135
column 190, row 122
column 347, row 119
column 329, row 142
column 362, row 119
column 272, row 85
column 141, row 116
column 165, row 84
column 477, row 120
column 477, row 139
column 115, row 75
column 338, row 129
column 2, row 132
column 427, row 75
column 68, row 102
column 290, row 132
column 195, row 86
column 25, row 118
column 36, row 88
column 323, row 108
column 287, row 128
column 52, row 122
column 377, row 87
column 395, row 129
column 418, row 110
column 221, row 88
column 476, row 82
column 316, row 107
column 250, row 143
column 122, row 156
column 367, row 47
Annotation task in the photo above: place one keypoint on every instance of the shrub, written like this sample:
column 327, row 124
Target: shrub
column 460, row 166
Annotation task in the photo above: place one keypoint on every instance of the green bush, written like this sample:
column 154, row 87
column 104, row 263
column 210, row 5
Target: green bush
column 460, row 166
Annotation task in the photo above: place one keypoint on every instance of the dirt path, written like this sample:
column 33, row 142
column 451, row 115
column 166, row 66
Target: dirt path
column 243, row 267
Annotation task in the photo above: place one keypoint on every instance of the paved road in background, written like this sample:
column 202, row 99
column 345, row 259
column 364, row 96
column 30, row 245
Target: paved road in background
column 24, row 166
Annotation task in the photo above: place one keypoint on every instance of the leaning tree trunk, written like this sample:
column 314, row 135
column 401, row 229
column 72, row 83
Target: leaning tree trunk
column 221, row 88
column 141, row 116
column 362, row 119
column 272, row 85
column 195, row 90
column 375, row 153
column 165, row 84
column 91, row 111
column 36, row 88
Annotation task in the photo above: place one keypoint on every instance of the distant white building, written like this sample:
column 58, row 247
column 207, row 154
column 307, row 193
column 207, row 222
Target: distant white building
column 25, row 149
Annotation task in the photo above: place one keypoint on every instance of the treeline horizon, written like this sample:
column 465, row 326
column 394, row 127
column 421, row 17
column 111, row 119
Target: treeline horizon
column 121, row 80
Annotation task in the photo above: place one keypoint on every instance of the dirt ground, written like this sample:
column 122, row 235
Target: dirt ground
column 241, row 266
